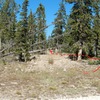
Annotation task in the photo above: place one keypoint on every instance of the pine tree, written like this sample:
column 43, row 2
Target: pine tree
column 80, row 22
column 41, row 23
column 8, row 21
column 5, row 20
column 96, row 25
column 59, row 24
column 32, row 28
column 1, row 4
column 22, row 34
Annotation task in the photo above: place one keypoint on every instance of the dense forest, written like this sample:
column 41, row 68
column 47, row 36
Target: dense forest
column 79, row 30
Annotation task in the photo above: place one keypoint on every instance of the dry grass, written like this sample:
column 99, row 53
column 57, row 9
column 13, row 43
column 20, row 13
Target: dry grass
column 18, row 93
column 71, row 82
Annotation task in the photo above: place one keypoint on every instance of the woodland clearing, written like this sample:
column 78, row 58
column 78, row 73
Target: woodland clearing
column 48, row 77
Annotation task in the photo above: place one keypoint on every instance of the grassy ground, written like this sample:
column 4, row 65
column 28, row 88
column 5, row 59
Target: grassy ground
column 71, row 82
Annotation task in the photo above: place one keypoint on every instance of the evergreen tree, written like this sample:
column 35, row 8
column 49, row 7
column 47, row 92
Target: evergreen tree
column 22, row 34
column 41, row 23
column 8, row 21
column 1, row 4
column 80, row 22
column 32, row 28
column 59, row 24
column 96, row 25
column 5, row 20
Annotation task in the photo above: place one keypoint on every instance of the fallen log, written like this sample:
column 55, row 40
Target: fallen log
column 6, row 54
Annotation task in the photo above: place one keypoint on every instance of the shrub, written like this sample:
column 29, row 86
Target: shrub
column 72, row 57
column 95, row 62
column 50, row 61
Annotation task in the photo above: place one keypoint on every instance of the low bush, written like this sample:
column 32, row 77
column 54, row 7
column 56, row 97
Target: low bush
column 50, row 61
column 95, row 62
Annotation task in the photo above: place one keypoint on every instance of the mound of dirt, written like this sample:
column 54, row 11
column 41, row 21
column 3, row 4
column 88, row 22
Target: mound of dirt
column 43, row 63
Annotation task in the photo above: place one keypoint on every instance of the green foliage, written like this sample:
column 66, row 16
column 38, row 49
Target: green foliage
column 41, row 23
column 32, row 29
column 22, row 34
column 80, row 21
column 59, row 24
column 80, row 25
column 8, row 11
column 8, row 18
column 81, row 29
column 96, row 25
column 94, row 62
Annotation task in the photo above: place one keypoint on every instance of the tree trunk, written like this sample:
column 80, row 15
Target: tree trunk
column 95, row 48
column 0, row 46
column 80, row 54
column 21, row 57
column 0, row 43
